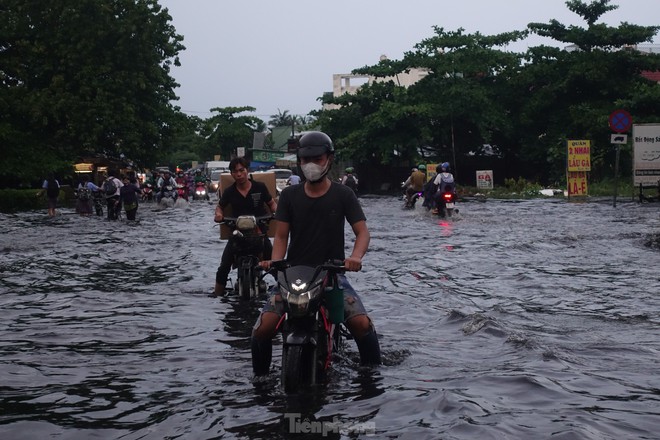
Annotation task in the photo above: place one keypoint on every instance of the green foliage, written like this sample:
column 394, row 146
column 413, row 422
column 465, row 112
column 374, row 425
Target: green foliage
column 527, row 105
column 522, row 187
column 227, row 130
column 14, row 200
column 84, row 76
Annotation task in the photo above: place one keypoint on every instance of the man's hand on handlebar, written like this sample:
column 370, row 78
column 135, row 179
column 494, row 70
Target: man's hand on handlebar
column 353, row 264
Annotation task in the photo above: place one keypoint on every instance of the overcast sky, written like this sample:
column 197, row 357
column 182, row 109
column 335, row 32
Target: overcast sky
column 281, row 55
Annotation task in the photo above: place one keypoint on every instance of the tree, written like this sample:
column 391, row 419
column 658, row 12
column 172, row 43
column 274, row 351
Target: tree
column 458, row 101
column 226, row 131
column 526, row 104
column 577, row 89
column 282, row 119
column 81, row 76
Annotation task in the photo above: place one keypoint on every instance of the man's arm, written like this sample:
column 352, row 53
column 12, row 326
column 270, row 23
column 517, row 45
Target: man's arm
column 219, row 214
column 272, row 205
column 362, row 238
column 280, row 240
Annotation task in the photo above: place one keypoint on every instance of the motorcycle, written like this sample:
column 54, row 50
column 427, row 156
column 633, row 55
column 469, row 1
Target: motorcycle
column 182, row 192
column 446, row 203
column 147, row 192
column 248, row 241
column 200, row 192
column 312, row 323
column 409, row 202
column 168, row 197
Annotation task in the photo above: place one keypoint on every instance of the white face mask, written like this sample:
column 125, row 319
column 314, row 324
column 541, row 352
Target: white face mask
column 313, row 172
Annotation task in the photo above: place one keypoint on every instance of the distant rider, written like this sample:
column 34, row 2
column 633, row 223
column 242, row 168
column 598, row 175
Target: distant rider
column 415, row 182
column 246, row 197
column 444, row 179
column 163, row 182
column 183, row 182
column 444, row 182
column 350, row 180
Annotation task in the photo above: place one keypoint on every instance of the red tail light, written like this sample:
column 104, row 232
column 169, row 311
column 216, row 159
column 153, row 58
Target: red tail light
column 448, row 197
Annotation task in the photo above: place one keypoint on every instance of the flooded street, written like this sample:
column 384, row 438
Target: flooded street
column 514, row 319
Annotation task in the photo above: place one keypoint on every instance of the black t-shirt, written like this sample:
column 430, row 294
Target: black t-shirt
column 254, row 203
column 316, row 225
column 128, row 193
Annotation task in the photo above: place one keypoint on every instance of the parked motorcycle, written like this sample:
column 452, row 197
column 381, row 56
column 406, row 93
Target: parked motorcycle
column 312, row 323
column 248, row 241
column 200, row 192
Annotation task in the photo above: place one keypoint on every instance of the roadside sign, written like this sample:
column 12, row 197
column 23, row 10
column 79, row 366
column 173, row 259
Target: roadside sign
column 579, row 155
column 646, row 154
column 431, row 171
column 619, row 139
column 620, row 121
column 577, row 183
column 485, row 179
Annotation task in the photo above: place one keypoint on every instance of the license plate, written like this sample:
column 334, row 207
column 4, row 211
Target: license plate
column 450, row 205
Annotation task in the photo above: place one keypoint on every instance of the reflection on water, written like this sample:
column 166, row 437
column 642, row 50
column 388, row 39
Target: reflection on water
column 525, row 319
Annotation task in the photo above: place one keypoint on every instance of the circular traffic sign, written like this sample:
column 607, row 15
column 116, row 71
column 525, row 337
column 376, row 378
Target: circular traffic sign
column 620, row 121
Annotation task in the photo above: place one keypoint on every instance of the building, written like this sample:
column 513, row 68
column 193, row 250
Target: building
column 343, row 83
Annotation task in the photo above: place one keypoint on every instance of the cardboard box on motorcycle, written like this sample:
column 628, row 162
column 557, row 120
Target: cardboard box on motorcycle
column 227, row 180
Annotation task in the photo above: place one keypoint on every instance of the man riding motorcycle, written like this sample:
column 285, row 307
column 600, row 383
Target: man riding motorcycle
column 444, row 182
column 182, row 182
column 311, row 219
column 415, row 182
column 163, row 182
column 246, row 197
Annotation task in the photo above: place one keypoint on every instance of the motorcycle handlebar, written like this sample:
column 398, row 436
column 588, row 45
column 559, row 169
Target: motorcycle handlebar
column 330, row 265
column 260, row 219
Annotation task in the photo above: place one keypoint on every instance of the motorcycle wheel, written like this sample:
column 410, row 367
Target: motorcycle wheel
column 244, row 282
column 295, row 368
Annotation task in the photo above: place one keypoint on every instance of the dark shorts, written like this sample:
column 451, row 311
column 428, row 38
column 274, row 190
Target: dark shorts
column 352, row 304
column 52, row 202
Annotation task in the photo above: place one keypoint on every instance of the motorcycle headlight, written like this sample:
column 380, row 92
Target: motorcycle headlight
column 246, row 222
column 299, row 302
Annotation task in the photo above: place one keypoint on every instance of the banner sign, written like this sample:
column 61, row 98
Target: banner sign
column 577, row 183
column 485, row 179
column 579, row 155
column 431, row 171
column 267, row 156
column 646, row 152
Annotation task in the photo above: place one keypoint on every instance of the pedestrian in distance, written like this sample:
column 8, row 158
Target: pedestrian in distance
column 129, row 195
column 51, row 187
column 294, row 179
column 111, row 188
column 85, row 196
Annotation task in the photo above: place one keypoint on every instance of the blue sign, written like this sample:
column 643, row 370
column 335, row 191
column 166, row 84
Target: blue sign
column 620, row 121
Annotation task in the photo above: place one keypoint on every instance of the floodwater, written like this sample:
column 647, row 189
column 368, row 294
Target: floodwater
column 512, row 320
